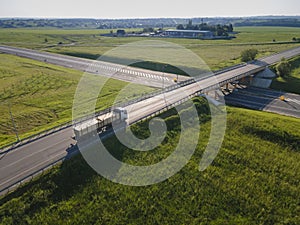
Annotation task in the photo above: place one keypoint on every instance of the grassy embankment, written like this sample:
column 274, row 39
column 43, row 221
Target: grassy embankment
column 253, row 180
column 291, row 82
column 41, row 95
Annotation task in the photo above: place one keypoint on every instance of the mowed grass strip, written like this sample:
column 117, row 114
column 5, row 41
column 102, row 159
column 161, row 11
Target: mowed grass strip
column 253, row 180
column 41, row 95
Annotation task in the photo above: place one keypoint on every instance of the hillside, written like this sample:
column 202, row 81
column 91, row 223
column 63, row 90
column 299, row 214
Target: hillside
column 253, row 180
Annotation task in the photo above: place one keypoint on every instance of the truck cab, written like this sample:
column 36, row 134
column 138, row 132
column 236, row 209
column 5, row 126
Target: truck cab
column 120, row 114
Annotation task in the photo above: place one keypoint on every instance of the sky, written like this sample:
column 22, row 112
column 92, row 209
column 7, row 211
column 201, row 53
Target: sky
column 114, row 9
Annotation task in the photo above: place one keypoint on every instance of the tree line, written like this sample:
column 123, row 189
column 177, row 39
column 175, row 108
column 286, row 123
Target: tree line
column 272, row 22
column 219, row 30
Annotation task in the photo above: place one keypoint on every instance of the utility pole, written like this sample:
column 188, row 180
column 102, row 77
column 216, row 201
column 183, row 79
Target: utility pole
column 13, row 123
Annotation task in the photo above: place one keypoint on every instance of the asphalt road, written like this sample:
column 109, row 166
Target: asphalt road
column 266, row 100
column 116, row 71
column 27, row 159
column 277, row 57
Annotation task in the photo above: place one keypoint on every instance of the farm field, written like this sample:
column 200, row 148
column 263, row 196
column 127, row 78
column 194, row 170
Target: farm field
column 216, row 53
column 41, row 95
column 253, row 180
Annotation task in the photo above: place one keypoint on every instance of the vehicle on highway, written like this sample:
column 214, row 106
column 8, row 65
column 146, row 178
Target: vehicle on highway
column 101, row 123
column 282, row 98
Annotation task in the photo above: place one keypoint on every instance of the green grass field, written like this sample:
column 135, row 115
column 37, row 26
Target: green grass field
column 41, row 95
column 291, row 82
column 253, row 180
column 216, row 53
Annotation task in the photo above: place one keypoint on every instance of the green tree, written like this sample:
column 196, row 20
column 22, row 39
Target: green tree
column 148, row 30
column 249, row 54
column 283, row 68
column 230, row 28
column 219, row 31
column 180, row 27
column 189, row 26
column 204, row 26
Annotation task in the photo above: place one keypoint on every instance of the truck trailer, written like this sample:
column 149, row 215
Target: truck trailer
column 100, row 123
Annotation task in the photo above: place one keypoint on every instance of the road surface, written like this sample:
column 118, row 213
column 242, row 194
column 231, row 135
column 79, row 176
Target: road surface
column 116, row 71
column 266, row 100
column 27, row 159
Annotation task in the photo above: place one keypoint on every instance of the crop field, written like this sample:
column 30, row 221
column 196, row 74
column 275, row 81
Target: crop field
column 253, row 180
column 40, row 95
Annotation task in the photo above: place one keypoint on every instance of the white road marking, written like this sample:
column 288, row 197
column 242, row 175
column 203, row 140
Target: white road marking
column 293, row 100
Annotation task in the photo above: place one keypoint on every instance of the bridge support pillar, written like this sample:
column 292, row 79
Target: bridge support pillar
column 216, row 95
column 251, row 79
column 227, row 87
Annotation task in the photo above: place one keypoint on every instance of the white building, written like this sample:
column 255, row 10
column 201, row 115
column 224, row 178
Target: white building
column 189, row 34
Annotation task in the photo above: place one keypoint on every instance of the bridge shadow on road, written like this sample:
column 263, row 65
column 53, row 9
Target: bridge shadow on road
column 265, row 100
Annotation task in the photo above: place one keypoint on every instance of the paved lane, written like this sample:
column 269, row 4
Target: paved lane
column 116, row 71
column 266, row 100
column 27, row 159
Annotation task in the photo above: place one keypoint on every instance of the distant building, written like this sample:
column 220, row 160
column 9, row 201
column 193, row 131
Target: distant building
column 189, row 34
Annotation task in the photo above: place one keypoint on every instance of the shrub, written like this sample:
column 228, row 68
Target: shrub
column 283, row 68
column 249, row 54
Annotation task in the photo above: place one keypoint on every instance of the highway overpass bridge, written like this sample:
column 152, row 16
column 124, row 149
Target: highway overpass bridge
column 26, row 160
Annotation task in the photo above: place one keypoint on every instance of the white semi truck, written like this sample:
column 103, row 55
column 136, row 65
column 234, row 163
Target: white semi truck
column 100, row 123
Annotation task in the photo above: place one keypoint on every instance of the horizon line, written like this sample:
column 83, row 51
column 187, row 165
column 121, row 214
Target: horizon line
column 132, row 18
